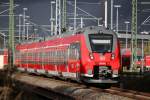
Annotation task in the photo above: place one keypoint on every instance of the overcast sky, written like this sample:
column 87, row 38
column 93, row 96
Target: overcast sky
column 39, row 11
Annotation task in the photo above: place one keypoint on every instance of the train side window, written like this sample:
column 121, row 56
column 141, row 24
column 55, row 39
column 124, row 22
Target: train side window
column 75, row 51
column 54, row 55
column 53, row 58
column 50, row 57
column 63, row 56
column 33, row 57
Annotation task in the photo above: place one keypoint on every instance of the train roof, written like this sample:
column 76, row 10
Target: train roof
column 86, row 30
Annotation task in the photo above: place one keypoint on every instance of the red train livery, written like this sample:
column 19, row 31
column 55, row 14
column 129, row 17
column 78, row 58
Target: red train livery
column 3, row 59
column 147, row 62
column 126, row 59
column 91, row 55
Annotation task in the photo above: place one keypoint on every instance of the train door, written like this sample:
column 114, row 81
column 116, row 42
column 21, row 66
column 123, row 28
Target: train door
column 74, row 60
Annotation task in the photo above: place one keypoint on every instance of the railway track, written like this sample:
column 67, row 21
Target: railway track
column 124, row 92
column 72, row 90
column 129, row 93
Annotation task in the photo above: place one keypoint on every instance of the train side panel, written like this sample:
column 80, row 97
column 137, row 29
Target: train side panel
column 91, row 56
column 56, row 58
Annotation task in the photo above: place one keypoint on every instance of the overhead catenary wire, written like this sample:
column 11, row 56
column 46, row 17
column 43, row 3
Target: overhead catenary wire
column 88, row 3
column 82, row 10
column 8, row 9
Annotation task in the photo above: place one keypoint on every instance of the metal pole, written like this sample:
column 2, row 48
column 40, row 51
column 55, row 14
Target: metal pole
column 11, row 48
column 142, row 55
column 106, row 12
column 20, row 28
column 52, row 19
column 98, row 23
column 126, row 22
column 27, row 31
column 117, row 21
column 35, row 32
column 59, row 15
column 27, row 26
column 117, row 6
column 75, row 14
column 24, row 22
column 4, row 42
column 64, row 14
column 56, row 24
column 81, row 22
column 112, row 3
column 134, row 36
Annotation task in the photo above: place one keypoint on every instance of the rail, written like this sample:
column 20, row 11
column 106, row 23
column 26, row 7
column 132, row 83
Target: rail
column 57, row 89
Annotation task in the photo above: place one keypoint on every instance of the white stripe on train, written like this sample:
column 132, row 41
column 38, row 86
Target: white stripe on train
column 46, row 47
column 55, row 73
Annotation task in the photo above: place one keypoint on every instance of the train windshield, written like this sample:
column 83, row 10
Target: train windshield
column 139, row 58
column 101, row 43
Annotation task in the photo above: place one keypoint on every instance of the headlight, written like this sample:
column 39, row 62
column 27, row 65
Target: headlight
column 113, row 56
column 91, row 56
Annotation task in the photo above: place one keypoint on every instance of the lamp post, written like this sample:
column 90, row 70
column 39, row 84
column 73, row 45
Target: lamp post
column 127, row 25
column 24, row 21
column 27, row 24
column 59, row 14
column 75, row 14
column 20, row 27
column 58, row 17
column 106, row 13
column 111, row 19
column 52, row 19
column 117, row 7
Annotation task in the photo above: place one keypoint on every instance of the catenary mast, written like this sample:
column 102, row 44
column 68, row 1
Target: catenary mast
column 11, row 48
column 64, row 14
column 134, row 36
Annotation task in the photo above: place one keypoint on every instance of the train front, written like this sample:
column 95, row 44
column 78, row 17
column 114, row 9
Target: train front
column 100, row 56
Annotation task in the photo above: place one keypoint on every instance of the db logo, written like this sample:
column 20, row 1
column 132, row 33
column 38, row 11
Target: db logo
column 102, row 58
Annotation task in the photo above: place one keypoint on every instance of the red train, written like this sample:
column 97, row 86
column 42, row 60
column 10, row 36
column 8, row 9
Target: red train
column 147, row 62
column 126, row 59
column 91, row 55
column 3, row 58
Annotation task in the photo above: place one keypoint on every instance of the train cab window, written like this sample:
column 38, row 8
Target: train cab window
column 101, row 43
column 139, row 58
